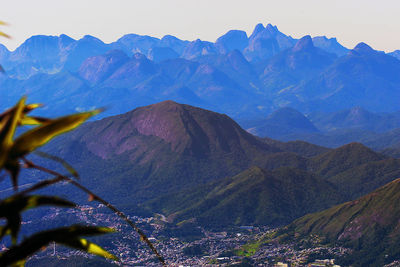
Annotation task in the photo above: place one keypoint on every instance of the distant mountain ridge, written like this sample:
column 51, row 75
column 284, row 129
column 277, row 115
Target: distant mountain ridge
column 242, row 76
column 50, row 54
column 281, row 123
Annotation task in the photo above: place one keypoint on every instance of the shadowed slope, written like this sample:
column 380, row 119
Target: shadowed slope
column 370, row 225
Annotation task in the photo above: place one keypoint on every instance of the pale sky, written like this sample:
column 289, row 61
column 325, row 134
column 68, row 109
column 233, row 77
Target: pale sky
column 376, row 23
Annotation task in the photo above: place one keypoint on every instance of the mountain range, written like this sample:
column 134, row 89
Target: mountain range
column 330, row 129
column 190, row 163
column 239, row 75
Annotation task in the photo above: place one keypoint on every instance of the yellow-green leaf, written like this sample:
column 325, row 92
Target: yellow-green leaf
column 31, row 107
column 17, row 204
column 89, row 247
column 40, row 135
column 28, row 120
column 5, row 35
column 20, row 263
column 66, row 235
column 7, row 129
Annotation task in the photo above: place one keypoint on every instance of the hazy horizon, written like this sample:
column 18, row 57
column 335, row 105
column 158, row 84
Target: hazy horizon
column 350, row 22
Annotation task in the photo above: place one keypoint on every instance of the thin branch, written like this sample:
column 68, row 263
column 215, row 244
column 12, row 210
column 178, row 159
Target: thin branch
column 60, row 177
column 42, row 184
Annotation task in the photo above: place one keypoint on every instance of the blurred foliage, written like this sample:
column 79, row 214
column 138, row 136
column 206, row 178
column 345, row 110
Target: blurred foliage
column 3, row 34
column 13, row 152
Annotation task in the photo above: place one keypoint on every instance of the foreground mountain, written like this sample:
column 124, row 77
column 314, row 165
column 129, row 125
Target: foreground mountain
column 299, row 147
column 354, row 169
column 161, row 148
column 369, row 225
column 174, row 159
column 263, row 197
column 255, row 196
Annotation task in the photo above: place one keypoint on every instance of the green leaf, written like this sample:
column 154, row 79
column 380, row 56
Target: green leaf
column 89, row 247
column 40, row 135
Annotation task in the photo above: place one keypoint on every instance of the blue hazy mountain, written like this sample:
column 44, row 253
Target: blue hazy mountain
column 134, row 43
column 330, row 45
column 265, row 42
column 395, row 54
column 98, row 68
column 232, row 40
column 300, row 63
column 244, row 77
column 356, row 118
column 364, row 77
column 158, row 53
column 199, row 48
column 283, row 122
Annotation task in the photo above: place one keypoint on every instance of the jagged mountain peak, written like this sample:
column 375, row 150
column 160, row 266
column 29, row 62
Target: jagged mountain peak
column 270, row 31
column 363, row 48
column 273, row 29
column 96, row 69
column 257, row 29
column 305, row 43
column 233, row 39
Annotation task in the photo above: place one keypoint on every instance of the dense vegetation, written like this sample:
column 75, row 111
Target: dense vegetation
column 369, row 225
column 179, row 160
